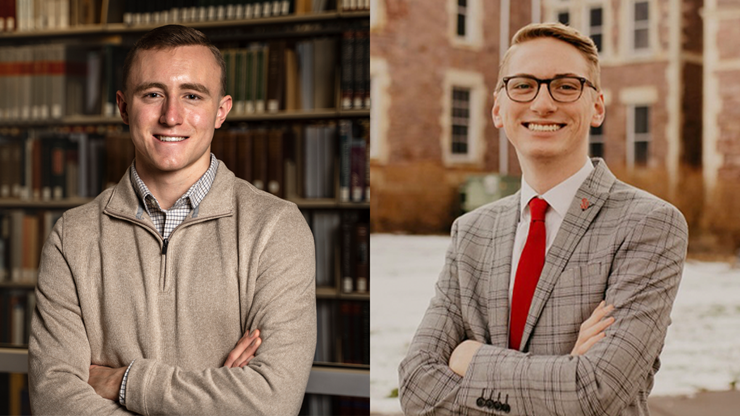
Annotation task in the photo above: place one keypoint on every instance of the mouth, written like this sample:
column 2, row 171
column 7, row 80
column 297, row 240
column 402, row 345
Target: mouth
column 168, row 139
column 543, row 127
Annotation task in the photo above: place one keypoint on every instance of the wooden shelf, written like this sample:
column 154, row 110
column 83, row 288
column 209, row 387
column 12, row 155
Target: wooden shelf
column 323, row 292
column 17, row 285
column 121, row 28
column 11, row 203
column 330, row 114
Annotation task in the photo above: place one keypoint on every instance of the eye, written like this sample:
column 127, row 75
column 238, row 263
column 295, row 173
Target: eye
column 192, row 97
column 151, row 95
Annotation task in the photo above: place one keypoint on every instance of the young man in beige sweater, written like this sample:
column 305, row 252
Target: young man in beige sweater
column 182, row 290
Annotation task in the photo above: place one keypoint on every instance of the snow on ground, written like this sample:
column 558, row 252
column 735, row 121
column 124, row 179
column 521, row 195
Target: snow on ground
column 702, row 350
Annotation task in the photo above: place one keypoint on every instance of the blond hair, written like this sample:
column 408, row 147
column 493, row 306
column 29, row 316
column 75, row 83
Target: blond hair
column 558, row 31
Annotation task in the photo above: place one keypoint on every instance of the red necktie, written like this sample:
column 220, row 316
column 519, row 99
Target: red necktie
column 528, row 272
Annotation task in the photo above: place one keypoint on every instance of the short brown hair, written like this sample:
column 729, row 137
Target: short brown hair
column 169, row 37
column 558, row 31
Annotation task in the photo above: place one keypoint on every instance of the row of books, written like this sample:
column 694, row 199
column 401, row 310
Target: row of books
column 14, row 399
column 289, row 162
column 22, row 235
column 53, row 166
column 37, row 15
column 139, row 12
column 275, row 76
column 31, row 15
column 355, row 79
column 343, row 331
column 342, row 249
column 51, row 81
column 317, row 405
column 16, row 310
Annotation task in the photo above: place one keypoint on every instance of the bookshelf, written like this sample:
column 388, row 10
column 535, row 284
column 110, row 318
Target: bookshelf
column 337, row 210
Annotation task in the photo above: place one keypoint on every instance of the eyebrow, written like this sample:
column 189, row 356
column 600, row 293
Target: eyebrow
column 187, row 86
column 566, row 74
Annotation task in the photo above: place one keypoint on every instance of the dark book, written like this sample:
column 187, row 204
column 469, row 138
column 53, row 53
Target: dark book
column 358, row 61
column 357, row 169
column 276, row 163
column 345, row 144
column 348, row 251
column 244, row 155
column 362, row 259
column 276, row 77
column 347, row 80
column 259, row 158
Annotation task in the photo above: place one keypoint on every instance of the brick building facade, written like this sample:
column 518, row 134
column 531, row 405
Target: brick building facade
column 434, row 65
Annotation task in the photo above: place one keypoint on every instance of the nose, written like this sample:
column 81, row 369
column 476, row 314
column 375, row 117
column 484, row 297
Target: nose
column 171, row 112
column 543, row 102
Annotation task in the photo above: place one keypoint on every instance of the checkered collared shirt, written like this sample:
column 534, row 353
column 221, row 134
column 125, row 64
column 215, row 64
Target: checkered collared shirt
column 165, row 221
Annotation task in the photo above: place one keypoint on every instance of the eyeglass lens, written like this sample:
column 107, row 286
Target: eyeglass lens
column 524, row 89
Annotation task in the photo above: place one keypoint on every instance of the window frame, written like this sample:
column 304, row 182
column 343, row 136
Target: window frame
column 634, row 137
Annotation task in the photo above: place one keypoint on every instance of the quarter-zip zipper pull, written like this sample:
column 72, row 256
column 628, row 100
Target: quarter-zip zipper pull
column 164, row 246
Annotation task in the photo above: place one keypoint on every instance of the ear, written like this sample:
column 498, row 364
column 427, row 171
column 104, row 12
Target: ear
column 224, row 107
column 496, row 112
column 599, row 111
column 122, row 106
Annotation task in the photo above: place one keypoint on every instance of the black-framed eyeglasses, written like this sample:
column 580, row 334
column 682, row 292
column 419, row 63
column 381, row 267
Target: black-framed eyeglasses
column 563, row 89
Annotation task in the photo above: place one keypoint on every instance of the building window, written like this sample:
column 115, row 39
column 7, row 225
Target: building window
column 641, row 26
column 596, row 26
column 564, row 17
column 462, row 18
column 639, row 134
column 596, row 141
column 460, row 121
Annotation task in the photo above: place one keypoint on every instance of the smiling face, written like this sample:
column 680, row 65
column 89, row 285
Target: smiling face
column 172, row 105
column 543, row 130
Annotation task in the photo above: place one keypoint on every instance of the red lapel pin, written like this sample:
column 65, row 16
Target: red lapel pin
column 584, row 204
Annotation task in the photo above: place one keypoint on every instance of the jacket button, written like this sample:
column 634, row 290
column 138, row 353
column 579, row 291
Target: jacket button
column 481, row 402
column 506, row 408
column 489, row 404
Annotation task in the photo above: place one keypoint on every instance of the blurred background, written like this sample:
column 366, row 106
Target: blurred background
column 671, row 79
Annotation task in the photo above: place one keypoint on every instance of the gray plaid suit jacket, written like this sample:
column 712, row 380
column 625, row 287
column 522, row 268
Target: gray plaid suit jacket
column 627, row 247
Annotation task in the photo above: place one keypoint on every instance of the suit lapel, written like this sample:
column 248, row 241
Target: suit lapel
column 587, row 203
column 502, row 245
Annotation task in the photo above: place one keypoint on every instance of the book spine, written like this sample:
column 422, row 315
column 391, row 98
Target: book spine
column 275, row 163
column 358, row 61
column 363, row 258
column 357, row 169
column 347, row 81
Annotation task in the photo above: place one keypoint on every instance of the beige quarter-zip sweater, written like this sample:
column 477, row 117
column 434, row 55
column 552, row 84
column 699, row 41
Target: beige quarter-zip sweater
column 110, row 291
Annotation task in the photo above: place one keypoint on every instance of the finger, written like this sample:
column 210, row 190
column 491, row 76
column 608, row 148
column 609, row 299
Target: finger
column 240, row 347
column 598, row 314
column 247, row 355
column 590, row 343
column 596, row 328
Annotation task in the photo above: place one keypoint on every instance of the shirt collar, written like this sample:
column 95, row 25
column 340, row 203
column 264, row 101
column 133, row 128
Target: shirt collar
column 194, row 195
column 559, row 197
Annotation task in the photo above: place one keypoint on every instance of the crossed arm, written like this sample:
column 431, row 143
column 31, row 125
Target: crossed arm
column 601, row 376
column 591, row 332
column 107, row 381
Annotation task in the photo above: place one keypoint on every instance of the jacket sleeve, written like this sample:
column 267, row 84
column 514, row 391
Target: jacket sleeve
column 642, row 285
column 283, row 308
column 58, row 350
column 427, row 384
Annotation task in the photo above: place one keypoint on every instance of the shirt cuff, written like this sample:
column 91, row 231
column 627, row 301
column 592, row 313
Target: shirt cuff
column 122, row 392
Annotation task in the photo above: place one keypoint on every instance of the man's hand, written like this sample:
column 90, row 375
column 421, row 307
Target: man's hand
column 462, row 355
column 592, row 329
column 106, row 381
column 244, row 351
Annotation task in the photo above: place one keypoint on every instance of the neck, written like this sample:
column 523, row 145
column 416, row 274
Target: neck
column 543, row 175
column 168, row 187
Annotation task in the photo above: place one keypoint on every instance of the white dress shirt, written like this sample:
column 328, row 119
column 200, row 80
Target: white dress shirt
column 559, row 198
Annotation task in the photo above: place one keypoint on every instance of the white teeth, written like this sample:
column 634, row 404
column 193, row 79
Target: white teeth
column 170, row 138
column 544, row 127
